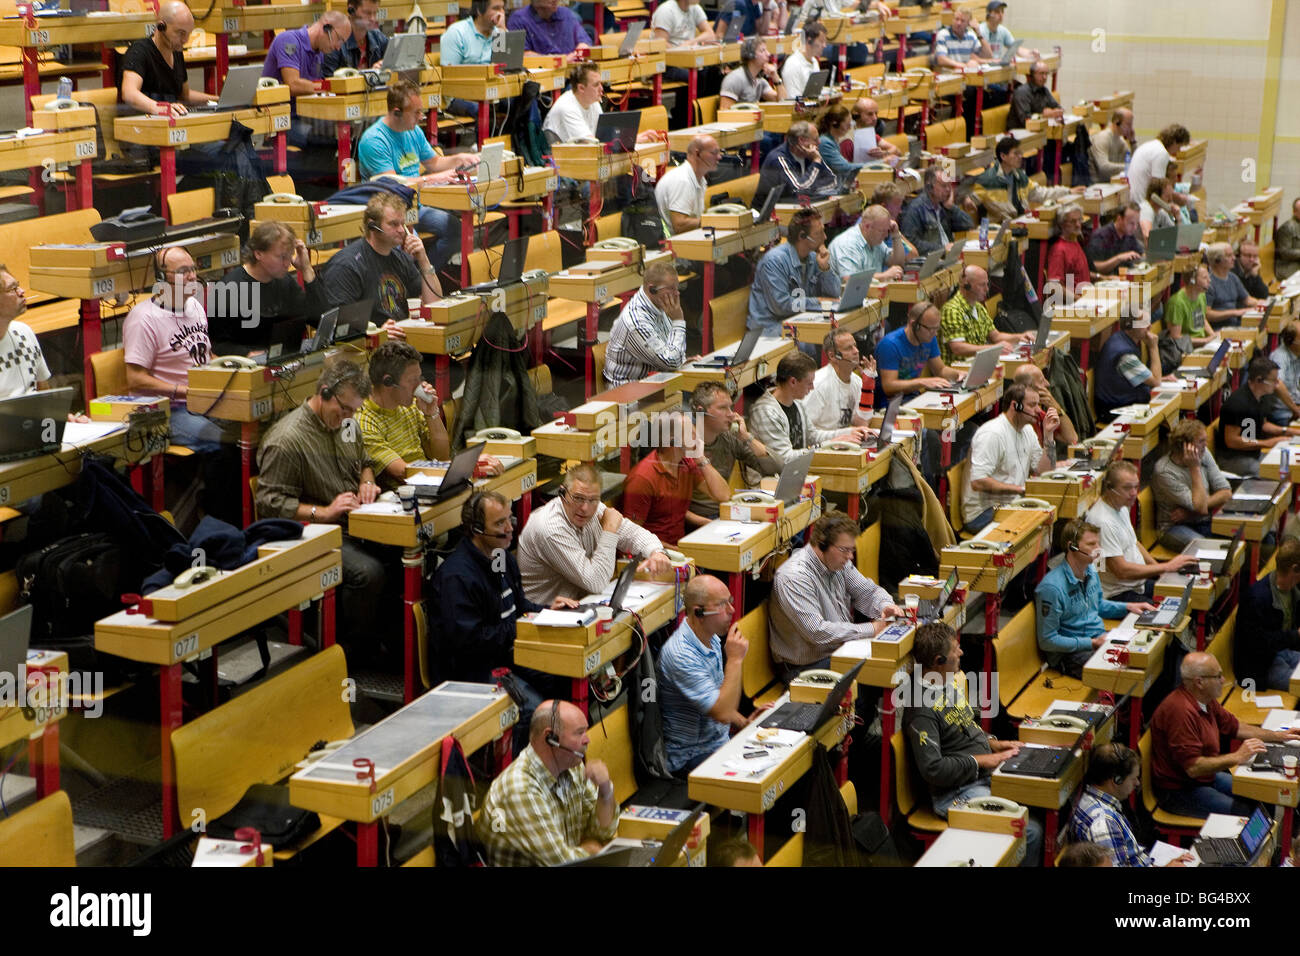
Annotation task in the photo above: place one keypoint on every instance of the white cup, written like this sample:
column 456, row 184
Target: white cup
column 413, row 306
column 1289, row 766
column 406, row 495
column 911, row 602
column 1205, row 568
column 604, row 613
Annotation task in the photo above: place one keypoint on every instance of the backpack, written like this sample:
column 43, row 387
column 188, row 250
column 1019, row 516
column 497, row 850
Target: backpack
column 71, row 584
column 524, row 124
column 1019, row 309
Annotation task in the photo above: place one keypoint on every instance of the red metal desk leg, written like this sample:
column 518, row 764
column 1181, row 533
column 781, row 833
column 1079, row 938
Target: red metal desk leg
column 1049, row 838
column 92, row 337
column 992, row 604
column 598, row 18
column 979, row 109
column 368, row 844
column 756, row 832
column 736, row 581
column 855, row 504
column 589, row 335
column 281, row 152
column 1084, row 348
column 343, row 132
column 223, row 61
column 484, row 126
column 247, row 446
column 43, row 755
column 1288, row 822
column 327, row 617
column 706, row 314
column 167, row 180
column 466, row 247
column 886, row 755
column 412, row 562
column 295, row 626
column 442, row 374
column 579, row 692
column 658, row 95
column 169, row 700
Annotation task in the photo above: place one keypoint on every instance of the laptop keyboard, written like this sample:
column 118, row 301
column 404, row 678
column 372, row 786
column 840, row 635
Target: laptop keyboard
column 1037, row 760
column 1220, row 850
column 792, row 716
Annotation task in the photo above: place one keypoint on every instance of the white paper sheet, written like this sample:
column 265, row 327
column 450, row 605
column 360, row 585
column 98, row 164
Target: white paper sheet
column 1266, row 703
column 864, row 140
column 1162, row 853
column 78, row 433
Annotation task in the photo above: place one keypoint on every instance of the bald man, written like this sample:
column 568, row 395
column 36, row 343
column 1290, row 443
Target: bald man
column 863, row 248
column 297, row 57
column 866, row 115
column 1032, row 376
column 966, row 326
column 680, row 193
column 547, row 807
column 153, row 71
column 1190, row 772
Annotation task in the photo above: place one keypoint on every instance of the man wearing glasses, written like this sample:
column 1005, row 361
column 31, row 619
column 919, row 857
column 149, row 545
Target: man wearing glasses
column 313, row 469
column 1190, row 772
column 570, row 545
column 365, row 44
column 815, row 595
column 908, row 360
column 396, row 146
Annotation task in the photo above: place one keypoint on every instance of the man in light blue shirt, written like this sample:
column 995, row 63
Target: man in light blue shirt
column 862, row 248
column 790, row 278
column 469, row 41
column 699, row 676
column 1070, row 605
column 396, row 146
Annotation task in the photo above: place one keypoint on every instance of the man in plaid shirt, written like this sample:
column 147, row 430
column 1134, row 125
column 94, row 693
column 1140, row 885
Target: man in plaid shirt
column 1113, row 773
column 547, row 807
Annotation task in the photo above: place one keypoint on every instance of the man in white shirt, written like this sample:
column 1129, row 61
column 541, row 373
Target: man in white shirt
column 802, row 64
column 22, row 363
column 757, row 79
column 680, row 193
column 570, row 545
column 1005, row 452
column 1127, row 571
column 681, row 22
column 836, row 395
column 576, row 111
column 997, row 36
column 1152, row 159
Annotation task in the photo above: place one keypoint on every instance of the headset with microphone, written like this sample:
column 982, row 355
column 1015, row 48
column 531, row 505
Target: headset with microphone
column 553, row 733
column 471, row 517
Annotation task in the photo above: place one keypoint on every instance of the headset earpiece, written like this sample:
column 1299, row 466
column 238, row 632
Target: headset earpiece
column 326, row 393
column 1119, row 778
column 388, row 380
column 941, row 659
column 553, row 734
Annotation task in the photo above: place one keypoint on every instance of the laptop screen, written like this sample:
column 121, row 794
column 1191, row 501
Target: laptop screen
column 1254, row 832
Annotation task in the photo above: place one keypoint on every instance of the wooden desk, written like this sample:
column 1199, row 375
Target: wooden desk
column 914, row 290
column 987, row 259
column 813, row 327
column 594, row 288
column 712, row 247
column 1061, row 131
column 1255, row 527
column 1057, row 339
column 1205, row 592
column 1032, row 730
column 1189, row 394
column 980, row 78
column 28, row 477
column 174, row 625
column 854, row 482
column 762, row 362
column 779, row 114
column 1107, row 670
column 729, row 135
column 720, row 784
column 386, row 523
column 903, row 26
column 1273, row 788
column 692, row 59
column 592, row 163
column 1070, row 493
column 404, row 751
column 848, row 204
column 42, row 153
column 46, row 704
column 578, row 652
column 1102, row 198
column 938, row 411
column 606, row 423
column 332, row 225
column 956, row 847
column 168, row 132
column 1049, row 794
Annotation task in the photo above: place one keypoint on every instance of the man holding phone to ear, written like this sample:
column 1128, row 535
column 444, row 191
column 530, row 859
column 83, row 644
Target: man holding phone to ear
column 649, row 334
column 396, row 146
column 1005, row 451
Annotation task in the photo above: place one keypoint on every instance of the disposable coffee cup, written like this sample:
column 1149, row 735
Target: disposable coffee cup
column 1205, row 569
column 911, row 602
column 604, row 613
column 1289, row 766
column 406, row 495
column 413, row 306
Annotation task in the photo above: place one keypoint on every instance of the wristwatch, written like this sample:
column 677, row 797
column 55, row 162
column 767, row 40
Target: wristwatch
column 313, row 514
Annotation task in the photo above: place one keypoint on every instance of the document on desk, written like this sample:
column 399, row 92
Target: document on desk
column 1162, row 853
column 724, row 532
column 1210, row 554
column 1269, row 702
column 564, row 618
column 861, row 647
column 79, row 433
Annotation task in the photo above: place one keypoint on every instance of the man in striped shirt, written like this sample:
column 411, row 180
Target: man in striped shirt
column 570, row 544
column 814, row 596
column 1113, row 773
column 649, row 335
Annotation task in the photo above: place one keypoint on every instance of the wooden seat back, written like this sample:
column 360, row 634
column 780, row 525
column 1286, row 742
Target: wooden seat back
column 611, row 743
column 758, row 672
column 39, row 835
column 1016, row 655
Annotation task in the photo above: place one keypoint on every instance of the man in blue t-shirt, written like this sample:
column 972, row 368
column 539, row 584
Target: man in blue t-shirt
column 908, row 359
column 395, row 146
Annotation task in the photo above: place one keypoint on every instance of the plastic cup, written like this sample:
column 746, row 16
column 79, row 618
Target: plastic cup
column 911, row 602
column 406, row 495
column 1289, row 766
column 1205, row 568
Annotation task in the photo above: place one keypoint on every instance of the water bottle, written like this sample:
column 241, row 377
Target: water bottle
column 65, row 88
column 1128, row 157
column 984, row 233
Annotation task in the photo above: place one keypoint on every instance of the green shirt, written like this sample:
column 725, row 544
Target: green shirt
column 301, row 461
column 390, row 434
column 961, row 320
column 1186, row 313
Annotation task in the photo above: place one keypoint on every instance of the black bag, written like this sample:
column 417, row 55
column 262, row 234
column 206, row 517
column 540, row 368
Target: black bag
column 454, row 843
column 266, row 808
column 875, row 844
column 70, row 585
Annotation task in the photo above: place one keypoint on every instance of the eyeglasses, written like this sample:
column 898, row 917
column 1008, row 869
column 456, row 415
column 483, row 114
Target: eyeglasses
column 9, row 289
column 932, row 329
column 842, row 549
column 581, row 501
column 1218, row 676
column 185, row 271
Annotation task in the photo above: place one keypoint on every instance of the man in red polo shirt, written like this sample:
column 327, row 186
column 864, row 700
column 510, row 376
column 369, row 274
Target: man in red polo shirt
column 1190, row 774
column 658, row 490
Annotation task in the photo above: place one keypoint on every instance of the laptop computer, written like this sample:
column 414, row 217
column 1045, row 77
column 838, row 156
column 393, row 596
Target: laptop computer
column 238, row 90
column 32, row 424
column 812, row 90
column 790, row 485
column 508, row 50
column 924, row 265
column 1210, row 370
column 855, row 292
column 645, row 853
column 1044, row 332
column 1162, row 244
column 1208, row 544
column 1238, row 850
column 1169, row 611
column 914, row 151
column 1272, row 757
column 15, row 637
column 619, row 130
column 981, row 369
column 733, row 32
column 352, row 320
column 1046, row 762
column 886, row 434
column 511, row 269
column 1262, row 490
column 276, row 338
column 405, row 51
column 806, row 718
column 743, row 351
column 1189, row 235
column 773, row 197
column 628, row 46
column 620, row 590
column 1009, row 54
column 489, row 163
column 929, row 609
column 459, row 476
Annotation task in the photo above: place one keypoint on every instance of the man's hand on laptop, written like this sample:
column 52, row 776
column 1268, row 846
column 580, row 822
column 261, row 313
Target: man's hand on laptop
column 1248, row 749
column 1134, row 607
column 892, row 274
column 1180, row 562
column 857, row 434
column 560, row 603
column 891, row 611
column 657, row 563
column 991, row 761
column 933, row 381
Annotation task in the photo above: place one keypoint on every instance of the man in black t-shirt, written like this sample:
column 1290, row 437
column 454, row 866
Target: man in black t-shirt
column 1245, row 431
column 388, row 264
column 153, row 70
